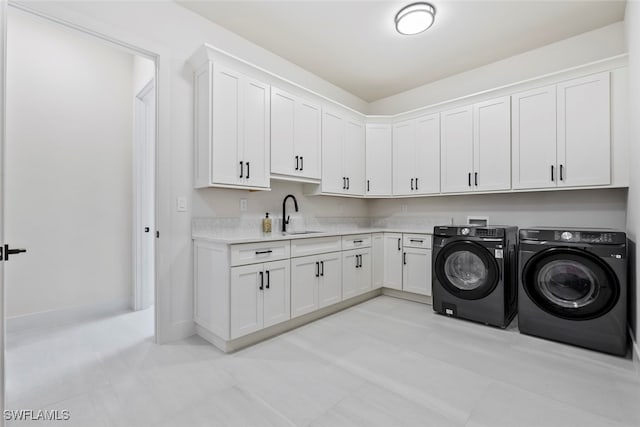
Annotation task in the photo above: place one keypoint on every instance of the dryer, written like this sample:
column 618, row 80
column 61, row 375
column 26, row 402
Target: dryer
column 474, row 273
column 573, row 287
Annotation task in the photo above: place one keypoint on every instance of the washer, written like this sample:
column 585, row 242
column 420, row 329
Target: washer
column 474, row 273
column 573, row 287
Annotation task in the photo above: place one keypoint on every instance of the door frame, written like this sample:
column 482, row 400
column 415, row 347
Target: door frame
column 142, row 172
column 3, row 56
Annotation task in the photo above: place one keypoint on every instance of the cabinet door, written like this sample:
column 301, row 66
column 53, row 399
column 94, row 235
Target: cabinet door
column 377, row 260
column 350, row 274
column 584, row 131
column 307, row 138
column 304, row 285
column 379, row 153
column 277, row 292
column 393, row 260
column 330, row 284
column 364, row 272
column 427, row 154
column 492, row 145
column 416, row 271
column 283, row 106
column 533, row 134
column 456, row 149
column 246, row 299
column 403, row 157
column 226, row 148
column 256, row 135
column 333, row 178
column 354, row 157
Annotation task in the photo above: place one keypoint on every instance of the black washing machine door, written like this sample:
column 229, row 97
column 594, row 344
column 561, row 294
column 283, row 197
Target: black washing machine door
column 570, row 283
column 467, row 270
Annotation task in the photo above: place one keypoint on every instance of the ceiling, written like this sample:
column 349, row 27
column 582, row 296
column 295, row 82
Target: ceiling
column 354, row 45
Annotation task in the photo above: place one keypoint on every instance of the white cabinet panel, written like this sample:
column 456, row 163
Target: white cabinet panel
column 533, row 115
column 492, row 145
column 246, row 299
column 403, row 157
column 427, row 154
column 456, row 150
column 354, row 157
column 304, row 285
column 584, row 131
column 364, row 279
column 227, row 126
column 417, row 271
column 283, row 107
column 256, row 135
column 333, row 178
column 276, row 293
column 307, row 139
column 330, row 283
column 377, row 260
column 379, row 156
column 393, row 260
column 350, row 277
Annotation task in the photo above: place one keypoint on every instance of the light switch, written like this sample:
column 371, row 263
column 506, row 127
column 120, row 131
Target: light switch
column 243, row 205
column 181, row 203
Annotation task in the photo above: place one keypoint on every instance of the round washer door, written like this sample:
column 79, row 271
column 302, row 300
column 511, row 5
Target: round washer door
column 570, row 283
column 467, row 270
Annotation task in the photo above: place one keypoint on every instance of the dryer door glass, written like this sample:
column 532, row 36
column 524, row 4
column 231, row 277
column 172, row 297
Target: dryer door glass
column 570, row 283
column 467, row 270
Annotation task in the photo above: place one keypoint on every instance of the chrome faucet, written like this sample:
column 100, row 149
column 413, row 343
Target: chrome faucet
column 285, row 218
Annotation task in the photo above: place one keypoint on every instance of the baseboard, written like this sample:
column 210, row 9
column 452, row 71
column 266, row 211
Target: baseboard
column 178, row 331
column 65, row 316
column 635, row 352
column 407, row 295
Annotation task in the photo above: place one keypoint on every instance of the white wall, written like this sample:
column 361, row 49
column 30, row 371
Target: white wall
column 68, row 169
column 581, row 49
column 632, row 23
column 586, row 208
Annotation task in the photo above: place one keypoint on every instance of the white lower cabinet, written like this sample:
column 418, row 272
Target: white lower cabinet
column 356, row 272
column 316, row 282
column 260, row 296
column 416, row 271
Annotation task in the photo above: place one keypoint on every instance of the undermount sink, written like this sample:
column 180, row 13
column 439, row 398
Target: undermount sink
column 293, row 233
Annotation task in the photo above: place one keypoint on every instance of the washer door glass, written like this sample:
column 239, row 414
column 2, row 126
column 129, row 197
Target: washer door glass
column 465, row 270
column 570, row 283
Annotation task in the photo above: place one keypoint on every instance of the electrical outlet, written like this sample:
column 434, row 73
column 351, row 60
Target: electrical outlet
column 404, row 208
column 181, row 204
column 243, row 205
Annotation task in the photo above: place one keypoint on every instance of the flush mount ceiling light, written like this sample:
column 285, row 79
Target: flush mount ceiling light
column 415, row 18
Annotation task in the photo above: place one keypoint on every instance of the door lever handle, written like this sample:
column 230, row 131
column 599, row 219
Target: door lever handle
column 5, row 252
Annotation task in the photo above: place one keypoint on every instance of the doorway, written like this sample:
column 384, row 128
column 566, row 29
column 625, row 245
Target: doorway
column 80, row 188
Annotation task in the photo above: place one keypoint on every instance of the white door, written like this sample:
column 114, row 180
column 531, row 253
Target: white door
column 377, row 260
column 456, row 150
column 393, row 260
column 277, row 292
column 364, row 272
column 283, row 106
column 403, row 158
column 308, row 139
column 144, row 172
column 3, row 26
column 350, row 270
column 333, row 178
column 584, row 131
column 247, row 287
column 354, row 157
column 330, row 284
column 427, row 154
column 256, row 135
column 533, row 134
column 226, row 149
column 379, row 155
column 492, row 145
column 305, row 273
column 416, row 271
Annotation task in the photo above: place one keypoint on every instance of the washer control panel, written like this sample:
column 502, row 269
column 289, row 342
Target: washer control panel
column 583, row 237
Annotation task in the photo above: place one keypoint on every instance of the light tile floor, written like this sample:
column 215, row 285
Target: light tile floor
column 386, row 362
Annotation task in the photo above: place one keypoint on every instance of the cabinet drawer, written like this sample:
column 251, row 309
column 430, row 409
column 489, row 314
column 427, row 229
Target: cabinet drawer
column 355, row 241
column 316, row 245
column 416, row 241
column 250, row 253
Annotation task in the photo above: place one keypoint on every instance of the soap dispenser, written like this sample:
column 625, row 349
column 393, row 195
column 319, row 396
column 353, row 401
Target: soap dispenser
column 266, row 224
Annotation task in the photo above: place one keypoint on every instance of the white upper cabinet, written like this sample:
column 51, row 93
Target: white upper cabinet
column 534, row 138
column 476, row 147
column 561, row 134
column 295, row 136
column 343, row 154
column 232, row 129
column 416, row 156
column 584, row 131
column 379, row 162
